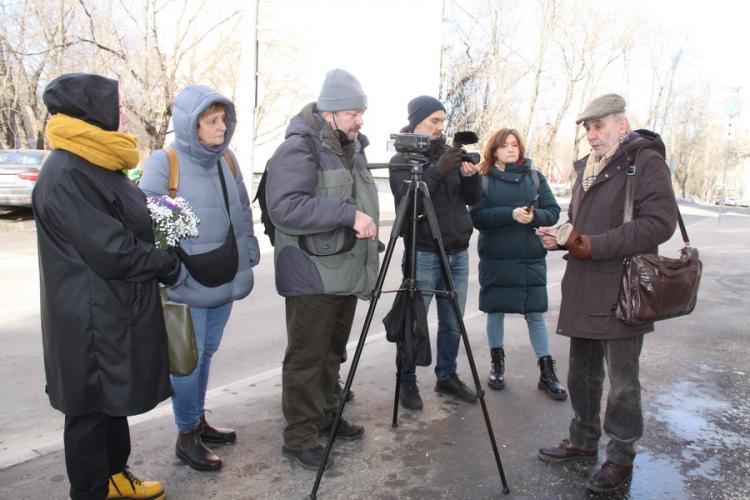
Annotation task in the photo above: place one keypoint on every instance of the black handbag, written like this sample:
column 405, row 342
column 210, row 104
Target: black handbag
column 653, row 287
column 218, row 266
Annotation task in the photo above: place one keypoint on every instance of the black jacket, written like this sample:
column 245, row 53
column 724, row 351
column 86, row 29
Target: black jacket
column 449, row 194
column 105, row 345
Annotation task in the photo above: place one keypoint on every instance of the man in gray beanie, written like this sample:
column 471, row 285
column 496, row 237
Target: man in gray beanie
column 452, row 185
column 597, row 237
column 323, row 203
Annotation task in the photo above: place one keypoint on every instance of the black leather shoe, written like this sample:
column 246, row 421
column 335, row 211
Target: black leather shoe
column 310, row 458
column 610, row 477
column 216, row 435
column 564, row 452
column 193, row 452
column 453, row 386
column 548, row 379
column 408, row 394
column 497, row 370
column 339, row 388
column 346, row 431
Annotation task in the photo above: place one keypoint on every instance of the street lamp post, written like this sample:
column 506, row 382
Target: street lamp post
column 732, row 107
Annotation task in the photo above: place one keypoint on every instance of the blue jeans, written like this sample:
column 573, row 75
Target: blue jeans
column 430, row 277
column 190, row 390
column 537, row 331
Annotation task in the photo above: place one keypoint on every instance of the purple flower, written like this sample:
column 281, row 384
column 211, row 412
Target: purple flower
column 167, row 202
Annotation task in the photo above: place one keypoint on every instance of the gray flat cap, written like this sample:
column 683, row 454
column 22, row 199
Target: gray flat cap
column 602, row 106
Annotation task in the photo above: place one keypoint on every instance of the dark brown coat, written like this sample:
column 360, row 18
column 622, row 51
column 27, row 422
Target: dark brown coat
column 590, row 287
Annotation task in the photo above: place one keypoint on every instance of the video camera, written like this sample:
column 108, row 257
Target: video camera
column 411, row 143
column 419, row 144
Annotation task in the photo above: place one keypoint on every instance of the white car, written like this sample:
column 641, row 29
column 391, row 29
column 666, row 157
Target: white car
column 19, row 171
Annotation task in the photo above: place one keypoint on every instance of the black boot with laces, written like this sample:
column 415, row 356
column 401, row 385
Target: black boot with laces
column 548, row 379
column 497, row 370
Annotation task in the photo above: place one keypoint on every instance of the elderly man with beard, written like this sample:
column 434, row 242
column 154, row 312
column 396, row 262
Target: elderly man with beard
column 452, row 185
column 324, row 204
column 597, row 239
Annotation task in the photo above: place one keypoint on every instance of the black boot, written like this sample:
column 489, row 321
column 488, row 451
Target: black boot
column 216, row 435
column 548, row 379
column 191, row 450
column 497, row 371
column 339, row 388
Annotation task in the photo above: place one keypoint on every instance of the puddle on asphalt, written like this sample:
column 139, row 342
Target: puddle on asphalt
column 657, row 476
column 690, row 411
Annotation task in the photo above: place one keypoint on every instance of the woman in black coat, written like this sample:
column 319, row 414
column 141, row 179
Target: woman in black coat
column 512, row 266
column 105, row 344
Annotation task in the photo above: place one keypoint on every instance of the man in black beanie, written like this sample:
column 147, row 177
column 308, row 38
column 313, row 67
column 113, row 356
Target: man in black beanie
column 452, row 185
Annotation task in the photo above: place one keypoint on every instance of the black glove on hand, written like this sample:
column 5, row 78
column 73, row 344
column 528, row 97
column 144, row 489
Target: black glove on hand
column 174, row 273
column 448, row 161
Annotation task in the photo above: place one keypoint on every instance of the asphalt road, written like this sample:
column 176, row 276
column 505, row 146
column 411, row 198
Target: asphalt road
column 695, row 382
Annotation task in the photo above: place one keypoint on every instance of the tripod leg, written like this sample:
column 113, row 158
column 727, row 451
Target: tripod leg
column 375, row 297
column 435, row 232
column 394, row 422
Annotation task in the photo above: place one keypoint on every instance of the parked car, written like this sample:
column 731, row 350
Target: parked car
column 731, row 202
column 19, row 171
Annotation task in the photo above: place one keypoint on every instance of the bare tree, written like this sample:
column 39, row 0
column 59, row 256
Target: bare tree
column 130, row 37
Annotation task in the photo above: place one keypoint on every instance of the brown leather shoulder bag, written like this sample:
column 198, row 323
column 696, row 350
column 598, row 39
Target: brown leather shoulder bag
column 655, row 287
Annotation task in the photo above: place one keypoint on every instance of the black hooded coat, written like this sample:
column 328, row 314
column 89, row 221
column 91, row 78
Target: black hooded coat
column 105, row 344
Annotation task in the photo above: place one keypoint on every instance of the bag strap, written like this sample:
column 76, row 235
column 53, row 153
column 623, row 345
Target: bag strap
column 630, row 198
column 224, row 190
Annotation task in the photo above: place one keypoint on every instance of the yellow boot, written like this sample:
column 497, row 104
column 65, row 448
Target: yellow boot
column 124, row 485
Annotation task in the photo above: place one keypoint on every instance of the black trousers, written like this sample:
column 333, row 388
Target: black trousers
column 96, row 446
column 317, row 331
column 623, row 417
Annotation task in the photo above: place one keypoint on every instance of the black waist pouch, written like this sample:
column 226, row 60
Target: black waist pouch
column 218, row 266
column 215, row 267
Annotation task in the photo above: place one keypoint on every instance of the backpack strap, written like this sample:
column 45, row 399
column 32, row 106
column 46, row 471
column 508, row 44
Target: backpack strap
column 174, row 171
column 535, row 178
column 229, row 158
column 174, row 168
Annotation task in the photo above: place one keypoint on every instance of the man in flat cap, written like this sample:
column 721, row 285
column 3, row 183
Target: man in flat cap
column 597, row 238
column 452, row 185
column 324, row 205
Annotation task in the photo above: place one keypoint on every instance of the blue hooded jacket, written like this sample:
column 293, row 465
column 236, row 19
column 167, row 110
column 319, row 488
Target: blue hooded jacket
column 201, row 187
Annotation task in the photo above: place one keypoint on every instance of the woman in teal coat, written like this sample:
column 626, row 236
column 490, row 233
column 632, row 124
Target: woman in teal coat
column 512, row 266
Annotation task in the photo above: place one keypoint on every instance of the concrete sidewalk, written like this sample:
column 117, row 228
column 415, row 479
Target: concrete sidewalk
column 695, row 398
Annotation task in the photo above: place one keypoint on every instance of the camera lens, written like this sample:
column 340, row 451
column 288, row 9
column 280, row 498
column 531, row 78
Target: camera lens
column 470, row 157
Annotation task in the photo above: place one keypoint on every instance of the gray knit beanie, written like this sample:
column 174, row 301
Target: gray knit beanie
column 341, row 91
column 421, row 107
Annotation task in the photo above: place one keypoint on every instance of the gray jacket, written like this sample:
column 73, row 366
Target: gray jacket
column 303, row 199
column 200, row 186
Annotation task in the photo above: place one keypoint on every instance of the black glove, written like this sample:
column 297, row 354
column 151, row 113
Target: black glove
column 171, row 277
column 448, row 161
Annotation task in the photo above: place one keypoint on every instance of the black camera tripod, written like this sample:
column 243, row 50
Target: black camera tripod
column 409, row 204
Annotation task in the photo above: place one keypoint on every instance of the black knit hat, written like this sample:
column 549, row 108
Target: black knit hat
column 421, row 107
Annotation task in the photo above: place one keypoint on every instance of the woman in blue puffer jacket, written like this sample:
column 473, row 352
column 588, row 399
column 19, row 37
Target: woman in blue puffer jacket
column 512, row 266
column 217, row 265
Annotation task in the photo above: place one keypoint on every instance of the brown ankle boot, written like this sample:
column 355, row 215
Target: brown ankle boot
column 191, row 450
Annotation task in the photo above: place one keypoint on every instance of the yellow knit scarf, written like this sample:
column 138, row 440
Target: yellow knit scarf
column 110, row 150
column 595, row 165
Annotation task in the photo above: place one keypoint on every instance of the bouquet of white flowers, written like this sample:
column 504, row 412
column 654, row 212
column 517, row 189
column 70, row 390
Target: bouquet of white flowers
column 172, row 219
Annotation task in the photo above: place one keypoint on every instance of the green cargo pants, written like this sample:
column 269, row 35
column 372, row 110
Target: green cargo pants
column 318, row 329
